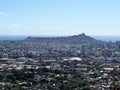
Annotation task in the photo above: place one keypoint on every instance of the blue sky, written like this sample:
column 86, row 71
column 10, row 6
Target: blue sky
column 59, row 17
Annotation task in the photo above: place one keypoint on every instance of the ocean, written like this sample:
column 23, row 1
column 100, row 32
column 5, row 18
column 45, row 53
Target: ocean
column 107, row 38
column 103, row 38
column 12, row 37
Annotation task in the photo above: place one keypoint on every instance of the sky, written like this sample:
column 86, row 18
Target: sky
column 60, row 17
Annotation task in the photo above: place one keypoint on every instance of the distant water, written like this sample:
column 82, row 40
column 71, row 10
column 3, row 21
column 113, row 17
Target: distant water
column 23, row 37
column 12, row 37
column 107, row 38
column 103, row 38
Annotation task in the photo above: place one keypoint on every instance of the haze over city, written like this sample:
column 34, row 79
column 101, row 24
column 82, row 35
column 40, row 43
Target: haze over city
column 59, row 45
column 59, row 17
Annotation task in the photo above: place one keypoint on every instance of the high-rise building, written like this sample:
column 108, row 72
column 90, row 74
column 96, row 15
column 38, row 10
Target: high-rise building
column 83, row 50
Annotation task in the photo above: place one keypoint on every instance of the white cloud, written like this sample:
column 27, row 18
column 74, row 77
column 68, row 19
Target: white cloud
column 2, row 25
column 52, row 27
column 29, row 27
column 26, row 28
column 14, row 26
column 3, row 14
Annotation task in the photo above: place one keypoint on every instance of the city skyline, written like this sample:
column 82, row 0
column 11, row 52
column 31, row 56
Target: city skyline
column 60, row 17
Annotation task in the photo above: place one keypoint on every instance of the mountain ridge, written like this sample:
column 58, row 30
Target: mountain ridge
column 80, row 38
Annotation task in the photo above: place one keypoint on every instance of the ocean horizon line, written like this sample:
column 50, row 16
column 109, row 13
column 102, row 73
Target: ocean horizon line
column 22, row 37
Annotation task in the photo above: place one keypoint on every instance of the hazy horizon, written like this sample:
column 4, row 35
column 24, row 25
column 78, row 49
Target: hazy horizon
column 103, row 38
column 60, row 17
